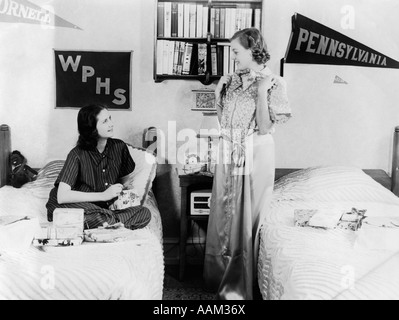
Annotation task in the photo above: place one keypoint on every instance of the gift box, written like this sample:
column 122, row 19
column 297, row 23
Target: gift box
column 49, row 231
column 126, row 199
column 17, row 232
column 69, row 218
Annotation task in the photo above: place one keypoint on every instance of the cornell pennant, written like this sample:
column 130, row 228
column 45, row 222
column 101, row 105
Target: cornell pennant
column 319, row 44
column 15, row 9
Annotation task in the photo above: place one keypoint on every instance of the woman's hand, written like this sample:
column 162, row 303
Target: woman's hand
column 222, row 84
column 113, row 191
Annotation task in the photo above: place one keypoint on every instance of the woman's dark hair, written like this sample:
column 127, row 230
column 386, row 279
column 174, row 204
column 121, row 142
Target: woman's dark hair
column 87, row 126
column 251, row 38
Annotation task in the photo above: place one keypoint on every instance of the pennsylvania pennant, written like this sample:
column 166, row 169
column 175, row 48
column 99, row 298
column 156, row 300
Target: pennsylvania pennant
column 23, row 11
column 314, row 43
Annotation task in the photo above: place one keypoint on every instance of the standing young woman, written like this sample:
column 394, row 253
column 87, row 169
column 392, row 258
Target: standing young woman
column 249, row 103
column 91, row 174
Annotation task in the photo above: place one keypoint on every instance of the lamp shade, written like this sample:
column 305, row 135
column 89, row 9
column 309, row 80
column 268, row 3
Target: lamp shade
column 209, row 125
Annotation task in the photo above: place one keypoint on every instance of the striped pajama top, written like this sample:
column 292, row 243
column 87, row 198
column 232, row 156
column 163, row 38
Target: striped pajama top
column 92, row 171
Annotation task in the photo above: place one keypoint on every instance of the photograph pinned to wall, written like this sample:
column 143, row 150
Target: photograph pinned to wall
column 204, row 100
column 88, row 77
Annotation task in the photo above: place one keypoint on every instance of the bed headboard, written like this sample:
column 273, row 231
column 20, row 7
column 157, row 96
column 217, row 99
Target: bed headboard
column 395, row 163
column 378, row 175
column 5, row 151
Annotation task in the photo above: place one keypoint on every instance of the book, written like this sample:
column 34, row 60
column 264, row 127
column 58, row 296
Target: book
column 165, row 53
column 160, row 19
column 217, row 22
column 194, row 60
column 186, row 20
column 227, row 26
column 199, row 19
column 238, row 25
column 171, row 52
column 214, row 60
column 168, row 19
column 188, row 49
column 249, row 18
column 205, row 14
column 220, row 62
column 226, row 59
column 212, row 22
column 202, row 58
column 193, row 21
column 180, row 20
column 222, row 32
column 233, row 18
column 174, row 19
column 159, row 56
column 257, row 19
column 176, row 57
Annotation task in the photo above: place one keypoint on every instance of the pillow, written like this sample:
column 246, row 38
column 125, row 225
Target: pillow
column 331, row 183
column 45, row 180
column 144, row 173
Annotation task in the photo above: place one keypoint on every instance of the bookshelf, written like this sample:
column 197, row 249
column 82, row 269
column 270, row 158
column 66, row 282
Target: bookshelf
column 192, row 37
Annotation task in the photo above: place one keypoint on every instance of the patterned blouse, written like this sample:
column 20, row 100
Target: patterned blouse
column 239, row 103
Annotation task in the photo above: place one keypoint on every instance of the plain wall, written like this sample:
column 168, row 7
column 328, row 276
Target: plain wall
column 332, row 124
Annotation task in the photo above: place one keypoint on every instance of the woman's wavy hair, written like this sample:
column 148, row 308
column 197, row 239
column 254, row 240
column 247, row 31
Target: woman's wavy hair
column 87, row 126
column 251, row 38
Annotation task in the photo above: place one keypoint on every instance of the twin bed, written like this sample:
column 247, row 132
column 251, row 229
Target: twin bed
column 132, row 269
column 303, row 262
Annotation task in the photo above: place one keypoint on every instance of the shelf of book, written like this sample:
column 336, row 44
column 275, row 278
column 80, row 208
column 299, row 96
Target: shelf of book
column 192, row 37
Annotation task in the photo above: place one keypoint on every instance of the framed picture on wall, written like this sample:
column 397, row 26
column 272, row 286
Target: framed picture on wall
column 89, row 77
column 204, row 100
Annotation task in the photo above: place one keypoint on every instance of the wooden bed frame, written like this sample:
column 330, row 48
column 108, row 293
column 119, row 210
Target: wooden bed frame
column 149, row 137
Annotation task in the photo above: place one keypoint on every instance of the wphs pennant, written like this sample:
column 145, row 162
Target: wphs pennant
column 23, row 11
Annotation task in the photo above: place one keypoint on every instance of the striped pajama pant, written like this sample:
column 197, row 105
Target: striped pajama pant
column 94, row 216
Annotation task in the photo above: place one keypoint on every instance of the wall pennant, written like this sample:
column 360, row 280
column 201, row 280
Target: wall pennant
column 23, row 11
column 314, row 43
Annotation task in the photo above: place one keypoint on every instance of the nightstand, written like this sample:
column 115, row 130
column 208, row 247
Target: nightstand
column 189, row 183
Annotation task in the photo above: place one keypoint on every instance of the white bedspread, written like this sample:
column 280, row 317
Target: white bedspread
column 122, row 270
column 309, row 263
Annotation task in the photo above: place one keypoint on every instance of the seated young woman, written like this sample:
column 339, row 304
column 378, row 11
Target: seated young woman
column 90, row 178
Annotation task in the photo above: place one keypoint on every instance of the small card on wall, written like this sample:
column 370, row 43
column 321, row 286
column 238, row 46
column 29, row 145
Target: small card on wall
column 93, row 77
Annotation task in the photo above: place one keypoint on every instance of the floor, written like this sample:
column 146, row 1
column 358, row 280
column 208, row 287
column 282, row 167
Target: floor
column 192, row 288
